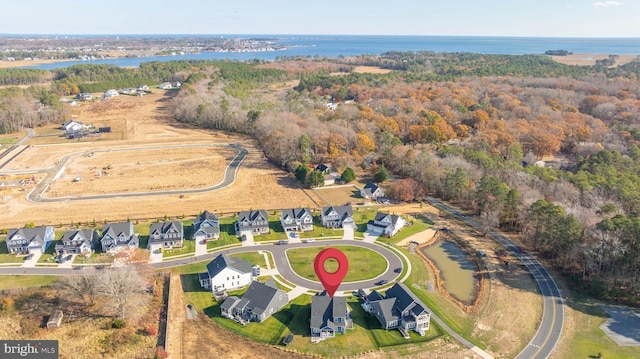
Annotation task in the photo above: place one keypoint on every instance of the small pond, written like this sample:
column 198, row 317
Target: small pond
column 455, row 269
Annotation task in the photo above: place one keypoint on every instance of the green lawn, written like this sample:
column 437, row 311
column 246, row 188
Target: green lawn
column 5, row 257
column 252, row 257
column 417, row 227
column 190, row 268
column 24, row 281
column 320, row 231
column 227, row 234
column 49, row 256
column 363, row 263
column 188, row 248
column 11, row 138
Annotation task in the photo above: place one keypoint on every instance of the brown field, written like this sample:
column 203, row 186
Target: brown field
column 370, row 70
column 146, row 121
column 590, row 59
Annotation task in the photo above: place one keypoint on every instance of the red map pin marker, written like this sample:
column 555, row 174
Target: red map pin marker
column 331, row 281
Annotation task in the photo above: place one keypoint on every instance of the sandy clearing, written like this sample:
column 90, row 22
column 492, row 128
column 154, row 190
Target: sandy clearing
column 590, row 59
column 370, row 70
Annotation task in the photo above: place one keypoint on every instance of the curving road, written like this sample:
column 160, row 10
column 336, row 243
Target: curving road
column 551, row 324
column 229, row 176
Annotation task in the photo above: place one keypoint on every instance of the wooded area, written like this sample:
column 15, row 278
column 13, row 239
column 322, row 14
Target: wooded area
column 531, row 145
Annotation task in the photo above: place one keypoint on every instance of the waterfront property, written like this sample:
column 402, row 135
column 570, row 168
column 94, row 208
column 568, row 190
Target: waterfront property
column 29, row 240
column 296, row 219
column 399, row 308
column 258, row 303
column 224, row 273
column 328, row 317
column 167, row 234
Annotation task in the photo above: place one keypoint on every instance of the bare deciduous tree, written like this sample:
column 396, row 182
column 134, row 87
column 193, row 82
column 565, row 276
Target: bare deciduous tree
column 125, row 289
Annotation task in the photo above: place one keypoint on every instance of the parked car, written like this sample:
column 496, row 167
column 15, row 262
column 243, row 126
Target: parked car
column 310, row 240
column 283, row 241
column 398, row 270
column 382, row 282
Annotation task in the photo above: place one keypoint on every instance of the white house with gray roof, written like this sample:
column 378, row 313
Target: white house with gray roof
column 296, row 219
column 206, row 227
column 117, row 237
column 225, row 273
column 371, row 191
column 167, row 234
column 386, row 224
column 255, row 221
column 78, row 241
column 329, row 316
column 399, row 308
column 337, row 216
column 258, row 303
column 30, row 240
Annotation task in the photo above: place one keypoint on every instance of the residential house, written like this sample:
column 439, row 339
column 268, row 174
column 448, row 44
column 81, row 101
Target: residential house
column 256, row 222
column 258, row 303
column 86, row 96
column 325, row 168
column 142, row 88
column 225, row 273
column 30, row 240
column 110, row 93
column 371, row 191
column 400, row 309
column 330, row 179
column 165, row 85
column 328, row 317
column 296, row 219
column 168, row 234
column 72, row 126
column 77, row 241
column 117, row 237
column 337, row 216
column 176, row 84
column 206, row 227
column 127, row 91
column 386, row 224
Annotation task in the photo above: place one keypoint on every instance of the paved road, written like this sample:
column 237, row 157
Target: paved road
column 229, row 177
column 278, row 252
column 550, row 329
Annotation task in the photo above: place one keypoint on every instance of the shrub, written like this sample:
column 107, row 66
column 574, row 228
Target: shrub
column 119, row 323
column 151, row 330
column 160, row 353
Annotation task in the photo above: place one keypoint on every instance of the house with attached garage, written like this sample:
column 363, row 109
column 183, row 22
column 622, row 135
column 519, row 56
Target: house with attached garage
column 206, row 227
column 78, row 241
column 371, row 191
column 386, row 224
column 167, row 234
column 30, row 240
column 399, row 308
column 296, row 219
column 337, row 216
column 329, row 316
column 117, row 237
column 72, row 126
column 258, row 303
column 256, row 222
column 224, row 273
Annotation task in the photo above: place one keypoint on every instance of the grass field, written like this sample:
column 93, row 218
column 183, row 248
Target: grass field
column 363, row 263
column 339, row 196
column 11, row 138
column 24, row 281
column 252, row 257
column 188, row 248
column 5, row 257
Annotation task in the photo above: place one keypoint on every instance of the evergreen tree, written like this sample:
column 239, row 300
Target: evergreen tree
column 348, row 175
column 381, row 175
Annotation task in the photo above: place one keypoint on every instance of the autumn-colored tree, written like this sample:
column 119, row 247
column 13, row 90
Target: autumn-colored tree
column 364, row 144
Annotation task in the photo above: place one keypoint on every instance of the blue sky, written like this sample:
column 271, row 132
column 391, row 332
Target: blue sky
column 549, row 18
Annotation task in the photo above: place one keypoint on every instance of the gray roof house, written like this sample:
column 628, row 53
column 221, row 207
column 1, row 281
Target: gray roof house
column 337, row 216
column 117, row 237
column 206, row 226
column 258, row 303
column 78, row 241
column 386, row 224
column 371, row 191
column 328, row 317
column 325, row 168
column 168, row 234
column 296, row 219
column 224, row 272
column 400, row 309
column 253, row 221
column 30, row 240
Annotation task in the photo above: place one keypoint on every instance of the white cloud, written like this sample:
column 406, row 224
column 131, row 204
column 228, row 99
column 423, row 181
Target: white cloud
column 607, row 3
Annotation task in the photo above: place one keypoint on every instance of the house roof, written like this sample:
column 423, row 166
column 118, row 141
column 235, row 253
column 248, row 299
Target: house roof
column 166, row 227
column 370, row 188
column 254, row 215
column 323, row 167
column 37, row 233
column 295, row 213
column 325, row 308
column 206, row 216
column 386, row 307
column 224, row 261
column 115, row 229
column 375, row 295
column 342, row 211
column 391, row 218
column 229, row 303
column 80, row 235
column 405, row 299
column 260, row 296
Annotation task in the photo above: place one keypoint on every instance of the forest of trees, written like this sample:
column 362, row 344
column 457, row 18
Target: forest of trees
column 530, row 145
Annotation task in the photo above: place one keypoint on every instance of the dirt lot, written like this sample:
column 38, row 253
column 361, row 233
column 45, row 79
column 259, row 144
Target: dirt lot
column 146, row 121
